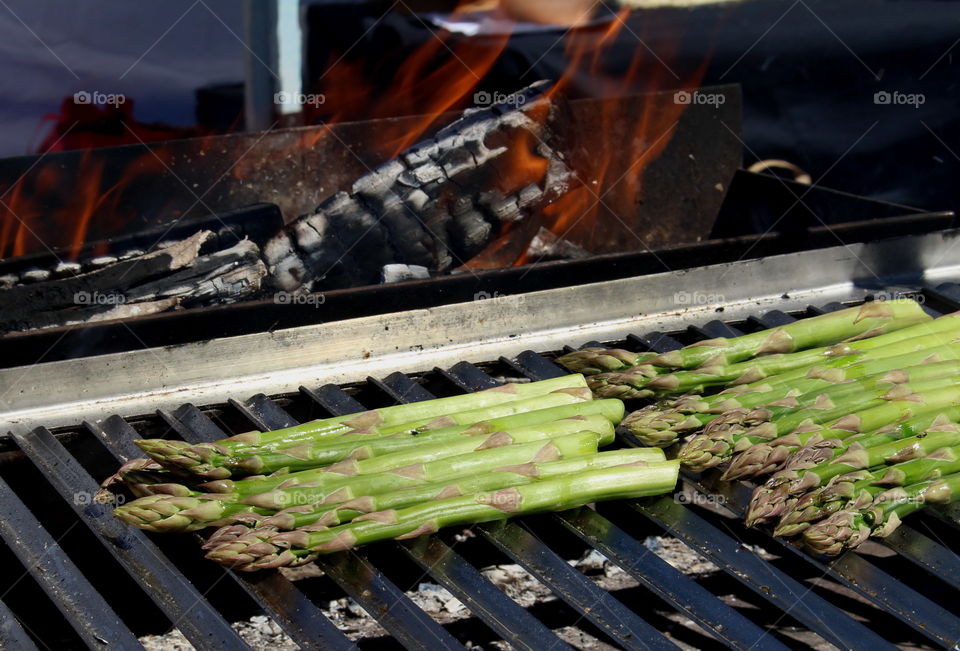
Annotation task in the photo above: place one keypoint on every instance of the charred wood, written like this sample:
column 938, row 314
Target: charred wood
column 422, row 208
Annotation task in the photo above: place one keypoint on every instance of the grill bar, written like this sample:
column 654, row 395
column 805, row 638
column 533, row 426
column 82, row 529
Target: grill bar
column 87, row 612
column 357, row 576
column 502, row 614
column 677, row 589
column 793, row 598
column 582, row 594
column 605, row 612
column 179, row 599
column 451, row 571
column 299, row 617
column 748, row 569
column 401, row 388
column 12, row 635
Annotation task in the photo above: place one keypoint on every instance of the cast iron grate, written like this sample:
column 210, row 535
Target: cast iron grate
column 908, row 595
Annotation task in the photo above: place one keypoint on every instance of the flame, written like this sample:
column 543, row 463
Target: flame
column 425, row 85
column 437, row 77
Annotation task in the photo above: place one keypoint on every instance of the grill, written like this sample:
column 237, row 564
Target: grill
column 906, row 593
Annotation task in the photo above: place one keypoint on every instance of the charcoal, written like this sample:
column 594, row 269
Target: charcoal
column 104, row 260
column 427, row 172
column 221, row 277
column 418, row 209
column 469, row 233
column 416, row 200
column 393, row 273
column 379, row 180
column 506, row 209
column 34, row 275
column 421, row 153
column 455, row 161
column 546, row 245
column 529, row 195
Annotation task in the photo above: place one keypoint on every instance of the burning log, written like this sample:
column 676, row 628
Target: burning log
column 144, row 284
column 413, row 209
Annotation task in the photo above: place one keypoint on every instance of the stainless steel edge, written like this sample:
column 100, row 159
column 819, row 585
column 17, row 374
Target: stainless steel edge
column 64, row 393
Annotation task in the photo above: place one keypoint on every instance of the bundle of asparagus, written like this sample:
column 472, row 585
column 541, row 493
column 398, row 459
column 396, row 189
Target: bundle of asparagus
column 394, row 472
column 852, row 434
column 616, row 373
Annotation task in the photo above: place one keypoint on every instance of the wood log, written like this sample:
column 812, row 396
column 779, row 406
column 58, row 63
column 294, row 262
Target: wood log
column 436, row 205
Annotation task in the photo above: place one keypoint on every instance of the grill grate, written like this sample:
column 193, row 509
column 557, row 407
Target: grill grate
column 889, row 585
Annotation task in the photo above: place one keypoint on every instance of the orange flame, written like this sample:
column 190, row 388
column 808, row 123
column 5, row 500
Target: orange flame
column 434, row 79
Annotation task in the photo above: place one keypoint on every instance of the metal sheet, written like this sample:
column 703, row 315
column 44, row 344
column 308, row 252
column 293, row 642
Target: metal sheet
column 211, row 372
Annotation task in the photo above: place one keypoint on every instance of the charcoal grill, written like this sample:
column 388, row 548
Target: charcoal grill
column 905, row 594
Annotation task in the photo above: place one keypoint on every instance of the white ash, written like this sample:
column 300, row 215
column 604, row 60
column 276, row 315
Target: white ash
column 34, row 275
column 104, row 260
column 393, row 273
column 260, row 632
column 679, row 555
column 65, row 268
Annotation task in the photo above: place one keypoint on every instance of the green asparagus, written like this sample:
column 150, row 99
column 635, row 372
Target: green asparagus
column 263, row 548
column 848, row 529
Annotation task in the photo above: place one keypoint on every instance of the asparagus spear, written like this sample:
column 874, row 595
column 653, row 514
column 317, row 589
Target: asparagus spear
column 333, row 514
column 853, row 491
column 856, row 487
column 208, row 462
column 766, row 457
column 737, row 430
column 833, row 444
column 662, row 423
column 214, row 460
column 263, row 548
column 867, row 320
column 318, row 487
column 848, row 529
column 788, row 365
column 780, row 492
column 428, row 414
column 333, row 487
column 590, row 361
